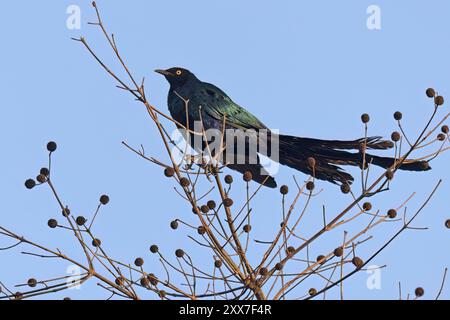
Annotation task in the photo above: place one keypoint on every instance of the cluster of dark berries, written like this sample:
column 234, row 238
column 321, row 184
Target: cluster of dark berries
column 44, row 173
column 438, row 100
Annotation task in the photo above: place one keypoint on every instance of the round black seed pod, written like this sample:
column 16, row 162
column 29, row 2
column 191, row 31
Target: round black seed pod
column 139, row 262
column 30, row 184
column 227, row 202
column 447, row 223
column 218, row 263
column 41, row 178
column 279, row 266
column 228, row 179
column 144, row 281
column 184, row 182
column 263, row 271
column 312, row 292
column 367, row 206
column 204, row 209
column 398, row 116
column 444, row 129
column 290, row 250
column 169, row 172
column 321, row 259
column 247, row 228
column 338, row 252
column 174, row 224
column 32, row 282
column 104, row 199
column 439, row 100
column 44, row 171
column 154, row 248
column 80, row 220
column 392, row 213
column 96, row 242
column 430, row 93
column 345, row 188
column 419, row 292
column 179, row 253
column 201, row 230
column 52, row 223
column 211, row 204
column 395, row 136
column 310, row 186
column 119, row 281
column 365, row 118
column 284, row 190
column 357, row 262
column 51, row 146
column 66, row 212
column 247, row 176
column 441, row 137
column 152, row 278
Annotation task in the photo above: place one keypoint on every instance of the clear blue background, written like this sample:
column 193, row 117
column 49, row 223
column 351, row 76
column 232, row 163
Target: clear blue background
column 309, row 68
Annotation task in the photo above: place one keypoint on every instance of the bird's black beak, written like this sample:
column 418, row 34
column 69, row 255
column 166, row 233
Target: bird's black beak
column 163, row 72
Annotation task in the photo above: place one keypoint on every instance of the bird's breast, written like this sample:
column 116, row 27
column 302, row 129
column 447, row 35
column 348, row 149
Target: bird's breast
column 185, row 108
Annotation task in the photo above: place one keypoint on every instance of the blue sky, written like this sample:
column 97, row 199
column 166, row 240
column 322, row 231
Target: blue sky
column 308, row 68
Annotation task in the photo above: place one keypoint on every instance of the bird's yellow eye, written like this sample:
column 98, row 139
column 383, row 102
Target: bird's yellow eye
column 178, row 72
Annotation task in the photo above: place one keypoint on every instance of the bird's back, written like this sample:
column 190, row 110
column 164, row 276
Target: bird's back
column 209, row 104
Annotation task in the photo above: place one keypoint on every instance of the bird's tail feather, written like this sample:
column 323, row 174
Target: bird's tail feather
column 328, row 156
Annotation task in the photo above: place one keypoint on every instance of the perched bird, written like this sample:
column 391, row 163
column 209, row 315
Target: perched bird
column 320, row 158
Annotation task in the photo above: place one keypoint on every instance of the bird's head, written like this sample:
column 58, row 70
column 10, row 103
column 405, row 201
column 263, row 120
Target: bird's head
column 176, row 76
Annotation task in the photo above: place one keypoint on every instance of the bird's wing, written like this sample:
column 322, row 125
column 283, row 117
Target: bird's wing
column 220, row 105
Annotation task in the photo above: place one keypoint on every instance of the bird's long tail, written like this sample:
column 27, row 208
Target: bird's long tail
column 329, row 155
